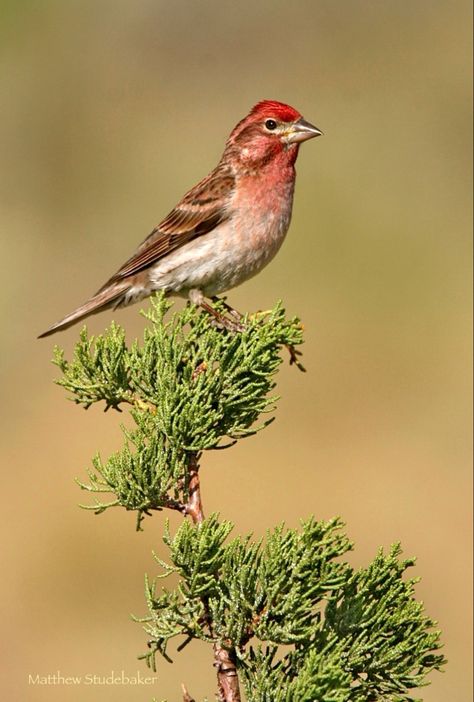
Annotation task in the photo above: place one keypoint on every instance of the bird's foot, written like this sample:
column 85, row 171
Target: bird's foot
column 235, row 314
column 230, row 321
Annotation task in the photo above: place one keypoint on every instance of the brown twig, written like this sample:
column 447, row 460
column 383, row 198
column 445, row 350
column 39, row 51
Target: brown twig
column 224, row 659
column 194, row 505
column 294, row 353
column 170, row 503
column 186, row 696
column 227, row 679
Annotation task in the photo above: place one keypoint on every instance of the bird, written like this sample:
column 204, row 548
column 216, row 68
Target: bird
column 225, row 229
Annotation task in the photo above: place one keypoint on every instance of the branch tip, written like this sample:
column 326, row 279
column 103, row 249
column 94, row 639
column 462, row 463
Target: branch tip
column 186, row 696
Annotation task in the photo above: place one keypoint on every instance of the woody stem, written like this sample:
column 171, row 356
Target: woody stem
column 224, row 658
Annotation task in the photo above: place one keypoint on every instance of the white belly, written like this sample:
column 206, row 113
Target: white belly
column 225, row 257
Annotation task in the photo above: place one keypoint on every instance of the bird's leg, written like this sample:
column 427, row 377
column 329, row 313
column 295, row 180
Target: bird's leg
column 231, row 310
column 196, row 297
column 231, row 325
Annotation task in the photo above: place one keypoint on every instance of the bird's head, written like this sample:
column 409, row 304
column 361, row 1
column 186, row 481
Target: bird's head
column 270, row 128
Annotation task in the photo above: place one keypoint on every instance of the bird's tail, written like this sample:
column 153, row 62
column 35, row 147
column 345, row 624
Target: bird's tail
column 110, row 297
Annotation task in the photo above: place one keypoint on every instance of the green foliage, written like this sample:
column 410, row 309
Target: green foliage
column 190, row 384
column 299, row 623
column 354, row 635
column 246, row 589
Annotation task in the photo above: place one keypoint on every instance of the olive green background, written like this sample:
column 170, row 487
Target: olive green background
column 110, row 111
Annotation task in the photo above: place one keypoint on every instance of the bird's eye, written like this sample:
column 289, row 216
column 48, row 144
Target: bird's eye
column 270, row 124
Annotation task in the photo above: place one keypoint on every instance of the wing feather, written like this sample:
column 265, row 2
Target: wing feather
column 200, row 211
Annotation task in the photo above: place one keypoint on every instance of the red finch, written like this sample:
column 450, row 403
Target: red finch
column 224, row 230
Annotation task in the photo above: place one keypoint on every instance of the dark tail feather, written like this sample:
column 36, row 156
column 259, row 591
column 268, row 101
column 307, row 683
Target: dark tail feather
column 109, row 297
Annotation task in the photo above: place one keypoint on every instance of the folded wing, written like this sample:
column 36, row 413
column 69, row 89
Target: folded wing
column 200, row 211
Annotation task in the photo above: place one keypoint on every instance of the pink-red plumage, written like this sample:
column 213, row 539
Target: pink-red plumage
column 271, row 108
column 226, row 228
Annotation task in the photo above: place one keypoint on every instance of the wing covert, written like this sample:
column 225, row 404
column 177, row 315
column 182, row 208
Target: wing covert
column 200, row 211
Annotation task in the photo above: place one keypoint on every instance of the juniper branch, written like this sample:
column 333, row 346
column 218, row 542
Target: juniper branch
column 347, row 635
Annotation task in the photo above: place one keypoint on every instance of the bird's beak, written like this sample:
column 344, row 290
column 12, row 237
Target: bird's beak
column 301, row 131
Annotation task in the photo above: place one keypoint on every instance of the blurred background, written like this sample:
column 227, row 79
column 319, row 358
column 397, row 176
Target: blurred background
column 110, row 112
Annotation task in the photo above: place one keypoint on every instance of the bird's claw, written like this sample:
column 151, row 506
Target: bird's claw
column 231, row 325
column 230, row 321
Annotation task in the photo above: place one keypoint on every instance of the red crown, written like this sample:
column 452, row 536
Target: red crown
column 272, row 108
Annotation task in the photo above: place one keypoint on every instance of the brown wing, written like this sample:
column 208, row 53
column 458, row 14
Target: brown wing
column 200, row 210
